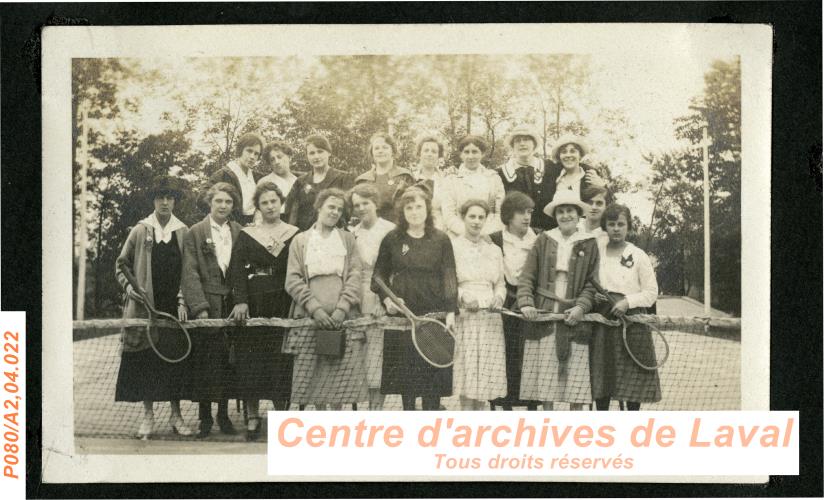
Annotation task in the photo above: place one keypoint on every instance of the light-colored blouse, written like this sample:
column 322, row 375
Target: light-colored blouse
column 482, row 183
column 515, row 251
column 565, row 246
column 630, row 273
column 325, row 255
column 480, row 270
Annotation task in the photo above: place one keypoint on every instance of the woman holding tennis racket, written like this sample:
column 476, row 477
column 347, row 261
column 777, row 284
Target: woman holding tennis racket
column 323, row 277
column 626, row 272
column 207, row 286
column 259, row 260
column 555, row 278
column 152, row 257
column 416, row 265
column 479, row 374
column 364, row 199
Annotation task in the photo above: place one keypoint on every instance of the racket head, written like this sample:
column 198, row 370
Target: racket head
column 434, row 342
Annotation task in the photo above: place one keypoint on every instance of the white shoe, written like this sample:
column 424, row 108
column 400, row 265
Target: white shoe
column 146, row 427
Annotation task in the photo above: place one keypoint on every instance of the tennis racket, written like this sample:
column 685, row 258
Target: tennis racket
column 153, row 314
column 624, row 320
column 433, row 340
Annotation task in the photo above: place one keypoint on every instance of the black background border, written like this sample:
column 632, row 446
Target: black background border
column 796, row 313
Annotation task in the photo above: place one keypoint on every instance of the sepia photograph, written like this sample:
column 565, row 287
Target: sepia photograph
column 398, row 218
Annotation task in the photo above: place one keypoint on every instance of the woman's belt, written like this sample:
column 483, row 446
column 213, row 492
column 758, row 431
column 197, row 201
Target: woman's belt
column 261, row 271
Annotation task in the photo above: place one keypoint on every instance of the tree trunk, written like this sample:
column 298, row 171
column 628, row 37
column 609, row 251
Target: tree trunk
column 97, row 265
column 558, row 113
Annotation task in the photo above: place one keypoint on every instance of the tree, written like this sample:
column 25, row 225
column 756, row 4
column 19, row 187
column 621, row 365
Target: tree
column 558, row 81
column 677, row 225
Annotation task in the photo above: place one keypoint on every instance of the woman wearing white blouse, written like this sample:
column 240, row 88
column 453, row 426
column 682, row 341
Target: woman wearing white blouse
column 626, row 270
column 472, row 181
column 479, row 373
column 364, row 199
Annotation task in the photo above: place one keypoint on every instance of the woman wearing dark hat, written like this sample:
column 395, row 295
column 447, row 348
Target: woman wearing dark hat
column 472, row 181
column 241, row 174
column 388, row 178
column 153, row 254
column 563, row 172
column 519, row 172
column 206, row 287
column 301, row 200
column 555, row 278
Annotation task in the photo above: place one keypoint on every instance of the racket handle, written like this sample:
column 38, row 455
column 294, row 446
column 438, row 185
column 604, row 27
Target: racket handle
column 133, row 282
column 389, row 293
column 601, row 289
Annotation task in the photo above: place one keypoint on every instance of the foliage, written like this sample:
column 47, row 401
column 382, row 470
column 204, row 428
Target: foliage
column 150, row 118
column 676, row 231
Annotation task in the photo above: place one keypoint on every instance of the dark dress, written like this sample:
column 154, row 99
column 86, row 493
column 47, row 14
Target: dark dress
column 143, row 375
column 513, row 342
column 301, row 198
column 262, row 370
column 421, row 271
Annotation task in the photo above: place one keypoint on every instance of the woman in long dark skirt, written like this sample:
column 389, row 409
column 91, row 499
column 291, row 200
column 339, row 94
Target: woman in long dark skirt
column 516, row 241
column 259, row 260
column 417, row 262
column 152, row 253
column 626, row 270
column 206, row 285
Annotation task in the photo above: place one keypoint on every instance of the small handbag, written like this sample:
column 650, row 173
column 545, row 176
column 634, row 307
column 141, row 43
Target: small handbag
column 330, row 343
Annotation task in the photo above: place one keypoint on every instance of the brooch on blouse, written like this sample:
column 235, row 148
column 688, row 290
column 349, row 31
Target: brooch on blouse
column 627, row 261
column 404, row 249
column 208, row 247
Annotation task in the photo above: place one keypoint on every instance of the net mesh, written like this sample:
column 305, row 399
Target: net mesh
column 498, row 365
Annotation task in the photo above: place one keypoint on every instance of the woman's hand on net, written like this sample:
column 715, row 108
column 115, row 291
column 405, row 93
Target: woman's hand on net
column 322, row 319
column 600, row 298
column 337, row 317
column 497, row 304
column 240, row 312
column 530, row 313
column 574, row 315
column 620, row 309
column 182, row 312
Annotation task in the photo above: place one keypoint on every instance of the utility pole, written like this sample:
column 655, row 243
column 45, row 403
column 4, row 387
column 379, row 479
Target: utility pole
column 83, row 158
column 705, row 144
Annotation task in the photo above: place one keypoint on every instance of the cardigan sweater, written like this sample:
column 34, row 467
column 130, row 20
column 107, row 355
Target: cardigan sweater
column 136, row 256
column 538, row 276
column 297, row 281
column 203, row 283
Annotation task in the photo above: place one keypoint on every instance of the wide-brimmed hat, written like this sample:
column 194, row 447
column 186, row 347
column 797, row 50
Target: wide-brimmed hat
column 524, row 131
column 166, row 184
column 564, row 197
column 569, row 139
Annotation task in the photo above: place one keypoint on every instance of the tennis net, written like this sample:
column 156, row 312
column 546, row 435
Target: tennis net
column 698, row 367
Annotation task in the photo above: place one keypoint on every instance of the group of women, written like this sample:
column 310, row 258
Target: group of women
column 465, row 241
